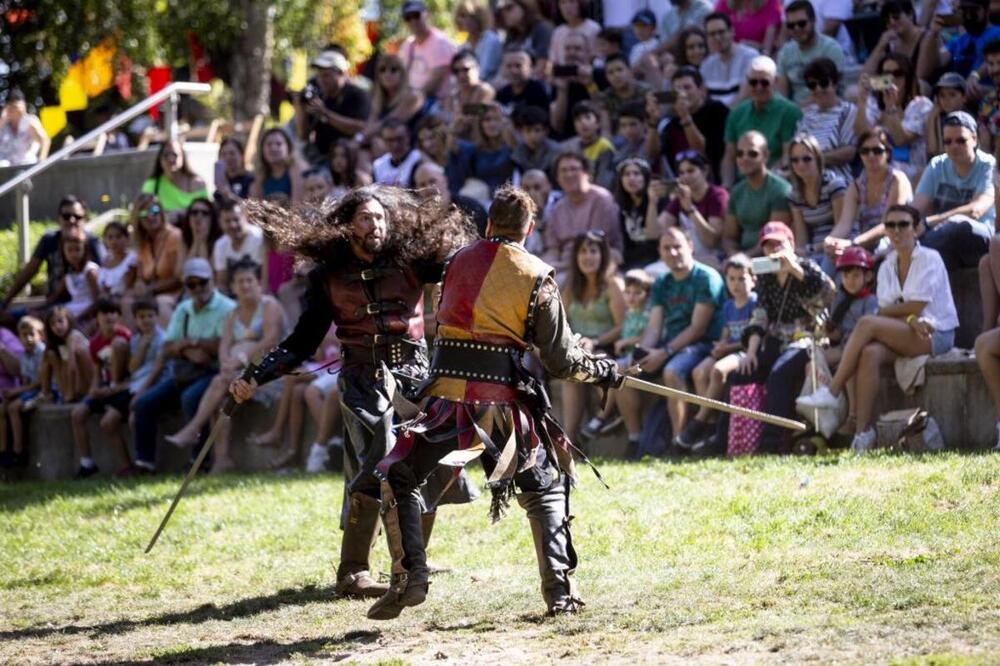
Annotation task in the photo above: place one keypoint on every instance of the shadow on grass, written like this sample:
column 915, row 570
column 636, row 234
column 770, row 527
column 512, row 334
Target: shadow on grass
column 204, row 613
column 262, row 652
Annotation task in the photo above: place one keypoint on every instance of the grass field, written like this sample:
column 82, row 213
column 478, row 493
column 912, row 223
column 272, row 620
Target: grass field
column 829, row 560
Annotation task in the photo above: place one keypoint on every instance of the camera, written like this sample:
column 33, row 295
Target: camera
column 310, row 92
column 762, row 265
column 880, row 83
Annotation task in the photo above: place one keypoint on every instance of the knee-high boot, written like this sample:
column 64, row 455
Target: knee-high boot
column 360, row 532
column 402, row 520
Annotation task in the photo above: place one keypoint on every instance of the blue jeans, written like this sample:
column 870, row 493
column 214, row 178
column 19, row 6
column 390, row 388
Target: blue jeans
column 158, row 398
column 960, row 240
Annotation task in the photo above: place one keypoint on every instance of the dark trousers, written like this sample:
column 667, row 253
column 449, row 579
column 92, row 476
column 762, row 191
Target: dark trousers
column 161, row 396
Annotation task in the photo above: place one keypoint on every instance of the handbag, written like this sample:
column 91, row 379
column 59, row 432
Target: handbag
column 911, row 430
column 185, row 372
column 744, row 432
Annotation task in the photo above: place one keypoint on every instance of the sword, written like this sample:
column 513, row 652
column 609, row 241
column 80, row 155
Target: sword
column 676, row 394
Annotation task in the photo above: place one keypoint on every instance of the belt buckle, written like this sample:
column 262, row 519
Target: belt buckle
column 378, row 339
column 373, row 308
column 368, row 274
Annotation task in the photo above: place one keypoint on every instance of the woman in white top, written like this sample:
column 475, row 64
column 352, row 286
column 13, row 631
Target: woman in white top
column 916, row 316
column 22, row 138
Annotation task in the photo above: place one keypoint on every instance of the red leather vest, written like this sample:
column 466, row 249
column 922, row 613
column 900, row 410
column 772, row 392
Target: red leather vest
column 376, row 299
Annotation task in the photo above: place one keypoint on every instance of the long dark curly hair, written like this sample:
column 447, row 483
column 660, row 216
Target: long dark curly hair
column 421, row 228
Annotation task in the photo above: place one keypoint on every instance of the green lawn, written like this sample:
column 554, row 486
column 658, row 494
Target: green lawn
column 884, row 559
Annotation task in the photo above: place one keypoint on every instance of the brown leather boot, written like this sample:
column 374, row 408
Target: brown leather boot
column 360, row 532
column 403, row 531
column 406, row 589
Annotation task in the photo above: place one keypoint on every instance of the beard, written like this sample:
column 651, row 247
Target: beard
column 373, row 243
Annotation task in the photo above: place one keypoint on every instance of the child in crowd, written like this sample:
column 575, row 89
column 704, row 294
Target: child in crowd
column 80, row 281
column 711, row 375
column 117, row 273
column 316, row 185
column 145, row 362
column 31, row 332
column 630, row 134
column 66, row 362
column 109, row 395
column 534, row 149
column 598, row 149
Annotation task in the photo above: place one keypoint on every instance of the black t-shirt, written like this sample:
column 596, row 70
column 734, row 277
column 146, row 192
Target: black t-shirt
column 710, row 120
column 577, row 93
column 352, row 102
column 534, row 94
column 240, row 186
column 48, row 251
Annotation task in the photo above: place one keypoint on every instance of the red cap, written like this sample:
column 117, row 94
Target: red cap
column 775, row 230
column 855, row 256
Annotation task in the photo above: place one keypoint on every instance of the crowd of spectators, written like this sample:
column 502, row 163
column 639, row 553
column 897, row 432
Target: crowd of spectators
column 715, row 182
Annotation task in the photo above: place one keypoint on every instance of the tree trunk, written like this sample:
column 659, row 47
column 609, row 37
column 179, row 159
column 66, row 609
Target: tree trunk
column 251, row 62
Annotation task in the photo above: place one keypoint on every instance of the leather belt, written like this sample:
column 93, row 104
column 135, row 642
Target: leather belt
column 379, row 308
column 477, row 362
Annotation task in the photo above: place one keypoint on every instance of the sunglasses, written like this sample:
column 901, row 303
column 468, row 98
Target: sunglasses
column 960, row 141
column 795, row 25
column 752, row 154
column 879, row 150
column 804, row 159
column 817, row 83
column 897, row 225
column 150, row 212
column 71, row 217
column 763, row 83
column 686, row 155
column 195, row 283
column 411, row 17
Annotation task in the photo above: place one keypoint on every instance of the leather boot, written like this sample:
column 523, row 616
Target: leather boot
column 360, row 531
column 403, row 530
column 548, row 515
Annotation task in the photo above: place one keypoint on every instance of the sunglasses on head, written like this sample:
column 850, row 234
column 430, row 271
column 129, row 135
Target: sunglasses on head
column 812, row 84
column 752, row 154
column 71, row 217
column 804, row 159
column 794, row 25
column 596, row 235
column 195, row 283
column 898, row 224
column 872, row 150
column 686, row 155
column 763, row 83
column 149, row 212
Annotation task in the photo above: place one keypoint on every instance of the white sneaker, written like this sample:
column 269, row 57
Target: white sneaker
column 864, row 441
column 820, row 399
column 318, row 457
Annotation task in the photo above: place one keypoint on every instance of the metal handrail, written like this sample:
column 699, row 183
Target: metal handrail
column 155, row 99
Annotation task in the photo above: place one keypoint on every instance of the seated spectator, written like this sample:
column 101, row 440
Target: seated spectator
column 806, row 45
column 536, row 183
column 916, row 316
column 988, row 359
column 345, row 171
column 158, row 248
column 526, row 26
column 575, row 22
column 901, row 109
column 956, row 196
column 949, row 96
column 712, row 374
column 630, row 133
column 232, row 180
column 23, row 140
column 78, row 291
column 430, row 176
column 756, row 23
column 644, row 28
column 278, row 175
column 902, row 34
column 638, row 196
column 330, row 107
column 241, row 241
column 494, row 142
column 396, row 166
column 475, row 19
column 816, row 199
column 66, row 365
column 595, row 310
column 596, row 147
column 726, row 67
column 692, row 47
column 584, row 207
column 760, row 197
column 827, row 118
column 964, row 52
column 249, row 331
column 623, row 89
column 108, row 394
column 989, row 105
column 117, row 273
column 788, row 302
column 766, row 112
column 31, row 334
column 685, row 320
column 868, row 197
column 438, row 145
column 316, row 185
column 699, row 208
column 427, row 50
column 393, row 97
column 698, row 123
column 173, row 182
column 199, row 231
column 534, row 149
column 191, row 347
column 680, row 15
column 521, row 89
column 469, row 94
column 146, row 363
column 573, row 81
column 72, row 216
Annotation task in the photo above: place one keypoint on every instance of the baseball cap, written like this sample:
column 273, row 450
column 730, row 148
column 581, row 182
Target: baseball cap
column 197, row 267
column 950, row 80
column 645, row 17
column 855, row 255
column 413, row 7
column 331, row 59
column 960, row 119
column 775, row 230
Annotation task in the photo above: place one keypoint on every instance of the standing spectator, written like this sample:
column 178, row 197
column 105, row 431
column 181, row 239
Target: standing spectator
column 698, row 123
column 682, row 14
column 22, row 138
column 638, row 196
column 964, row 52
column 692, row 47
column 756, row 23
column 191, row 345
column 916, row 316
column 901, row 109
column 949, row 96
column 725, row 68
column 770, row 114
column 469, row 93
column 521, row 89
column 805, row 46
column 117, row 273
column 66, row 364
column 534, row 149
column 393, row 97
column 596, row 147
column 427, row 52
column 527, row 27
column 396, row 166
column 827, row 118
column 644, row 27
column 761, row 196
column 902, row 34
column 199, row 231
column 816, row 199
column 474, row 18
column 158, row 248
column 80, row 282
column 622, row 89
column 574, row 15
column 173, row 182
column 232, row 180
column 699, row 208
column 584, row 207
column 241, row 241
column 956, row 196
column 31, row 334
column 575, row 85
column 278, row 175
column 330, row 107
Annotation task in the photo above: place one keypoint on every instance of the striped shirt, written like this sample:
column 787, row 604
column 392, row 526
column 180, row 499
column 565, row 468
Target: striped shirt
column 832, row 128
column 819, row 218
column 723, row 79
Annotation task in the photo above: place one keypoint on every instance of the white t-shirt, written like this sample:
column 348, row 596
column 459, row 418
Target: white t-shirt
column 927, row 281
column 223, row 254
column 112, row 280
column 80, row 297
column 384, row 172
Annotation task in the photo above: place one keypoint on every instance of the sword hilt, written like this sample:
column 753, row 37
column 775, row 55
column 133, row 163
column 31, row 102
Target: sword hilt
column 229, row 404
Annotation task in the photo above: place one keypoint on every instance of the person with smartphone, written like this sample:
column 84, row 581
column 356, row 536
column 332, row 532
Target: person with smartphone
column 964, row 52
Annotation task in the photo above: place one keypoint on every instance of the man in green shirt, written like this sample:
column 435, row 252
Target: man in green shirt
column 774, row 116
column 804, row 46
column 761, row 196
